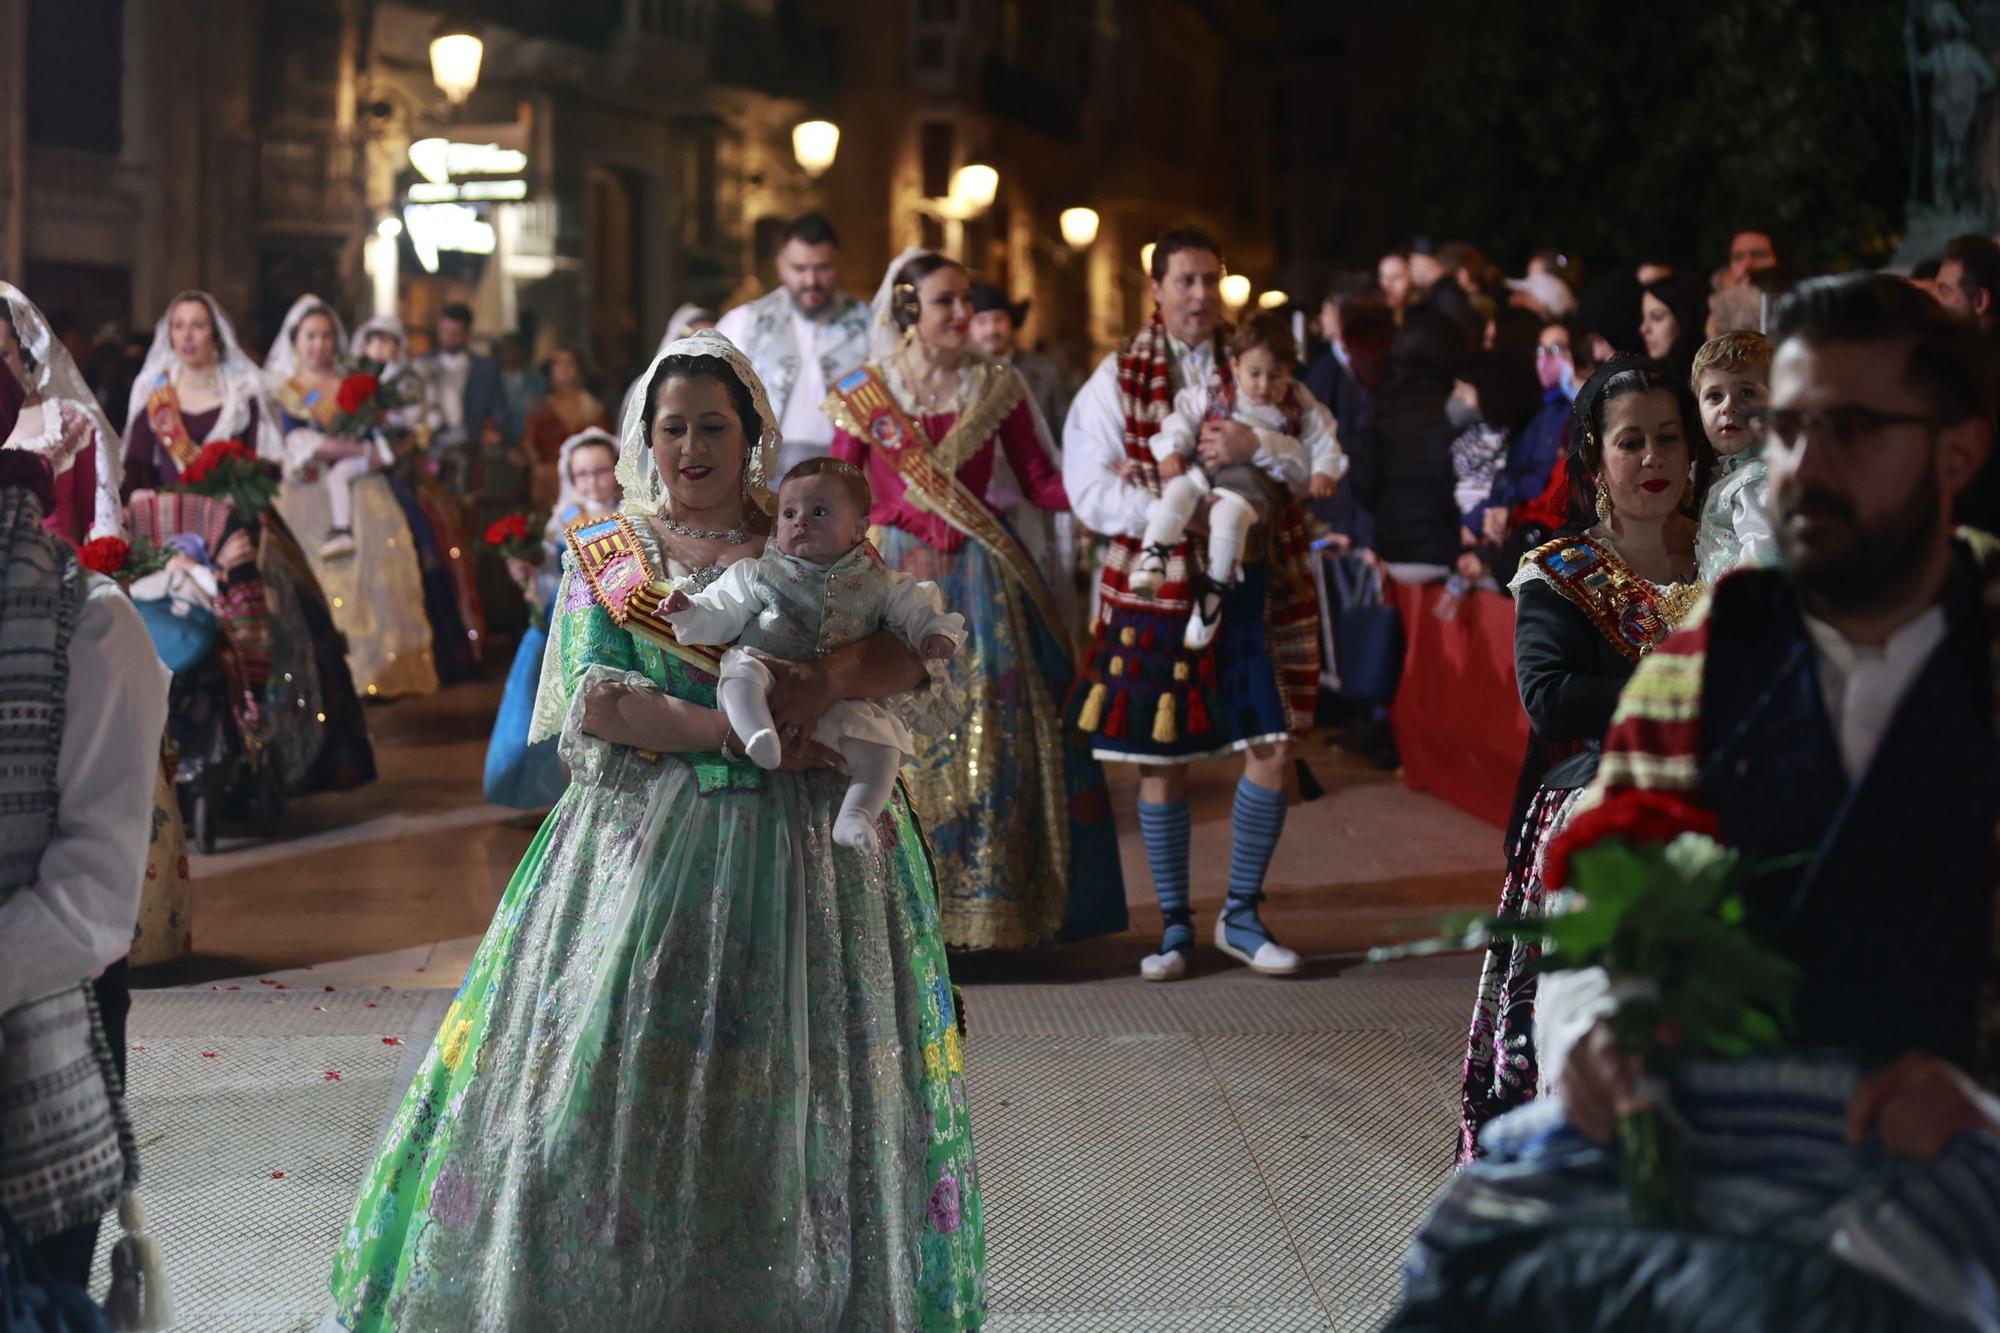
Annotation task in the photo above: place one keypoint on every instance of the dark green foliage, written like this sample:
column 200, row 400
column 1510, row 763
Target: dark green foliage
column 1624, row 132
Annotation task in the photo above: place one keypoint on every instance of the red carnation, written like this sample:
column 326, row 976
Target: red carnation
column 354, row 392
column 105, row 555
column 496, row 532
column 1637, row 818
column 516, row 526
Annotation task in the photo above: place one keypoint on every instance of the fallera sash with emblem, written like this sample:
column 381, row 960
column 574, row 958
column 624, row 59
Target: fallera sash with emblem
column 163, row 414
column 612, row 560
column 1628, row 611
column 865, row 407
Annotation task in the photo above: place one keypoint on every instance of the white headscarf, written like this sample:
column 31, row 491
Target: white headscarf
column 639, row 476
column 242, row 383
column 569, row 505
column 55, row 378
column 388, row 324
column 883, row 335
column 282, row 362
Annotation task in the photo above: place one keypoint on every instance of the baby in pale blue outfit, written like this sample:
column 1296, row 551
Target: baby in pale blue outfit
column 818, row 587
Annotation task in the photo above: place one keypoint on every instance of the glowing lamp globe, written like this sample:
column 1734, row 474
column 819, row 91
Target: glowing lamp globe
column 1235, row 290
column 815, row 143
column 1079, row 227
column 974, row 186
column 1273, row 300
column 456, row 51
column 1146, row 257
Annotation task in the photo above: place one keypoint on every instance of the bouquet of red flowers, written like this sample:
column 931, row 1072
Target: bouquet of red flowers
column 116, row 558
column 518, row 537
column 228, row 467
column 1661, row 909
column 365, row 400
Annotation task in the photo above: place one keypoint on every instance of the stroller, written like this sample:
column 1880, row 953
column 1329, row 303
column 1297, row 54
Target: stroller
column 206, row 612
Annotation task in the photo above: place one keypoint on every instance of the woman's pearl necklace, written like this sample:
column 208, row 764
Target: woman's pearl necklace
column 735, row 536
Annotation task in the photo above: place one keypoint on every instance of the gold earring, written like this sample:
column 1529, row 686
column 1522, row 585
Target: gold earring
column 1603, row 501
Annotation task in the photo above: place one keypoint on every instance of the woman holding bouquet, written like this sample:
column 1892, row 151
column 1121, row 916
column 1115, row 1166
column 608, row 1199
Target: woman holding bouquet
column 1588, row 606
column 369, row 562
column 198, row 394
column 451, row 585
column 524, row 776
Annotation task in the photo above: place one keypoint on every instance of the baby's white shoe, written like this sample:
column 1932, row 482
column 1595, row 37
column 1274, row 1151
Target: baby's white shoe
column 856, row 832
column 1150, row 572
column 765, row 749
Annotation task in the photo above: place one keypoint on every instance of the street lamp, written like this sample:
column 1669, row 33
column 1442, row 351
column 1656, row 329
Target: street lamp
column 456, row 51
column 1079, row 227
column 814, row 144
column 1235, row 290
column 1273, row 300
column 973, row 188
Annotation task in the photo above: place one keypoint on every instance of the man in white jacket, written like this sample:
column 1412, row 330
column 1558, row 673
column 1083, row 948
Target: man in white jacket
column 85, row 700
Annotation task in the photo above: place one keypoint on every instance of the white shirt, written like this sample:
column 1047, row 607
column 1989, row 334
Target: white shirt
column 76, row 919
column 1094, row 444
column 1863, row 687
column 453, row 370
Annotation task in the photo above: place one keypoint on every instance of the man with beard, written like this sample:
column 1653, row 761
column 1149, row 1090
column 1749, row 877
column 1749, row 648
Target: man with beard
column 803, row 337
column 1837, row 717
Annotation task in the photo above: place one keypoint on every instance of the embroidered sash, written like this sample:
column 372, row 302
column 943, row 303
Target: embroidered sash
column 863, row 406
column 611, row 558
column 163, row 414
column 1628, row 611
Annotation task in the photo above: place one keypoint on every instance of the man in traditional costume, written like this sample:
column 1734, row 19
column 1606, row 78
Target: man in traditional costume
column 86, row 701
column 1144, row 697
column 803, row 337
column 1838, row 717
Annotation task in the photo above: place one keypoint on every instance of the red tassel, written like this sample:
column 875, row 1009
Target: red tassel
column 1114, row 726
column 1207, row 669
column 1146, row 640
column 1198, row 724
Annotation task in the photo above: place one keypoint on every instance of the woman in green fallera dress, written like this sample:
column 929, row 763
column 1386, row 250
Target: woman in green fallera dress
column 705, row 1070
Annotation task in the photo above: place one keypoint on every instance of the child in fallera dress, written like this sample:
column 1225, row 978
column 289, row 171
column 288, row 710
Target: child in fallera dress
column 1295, row 434
column 1731, row 384
column 820, row 587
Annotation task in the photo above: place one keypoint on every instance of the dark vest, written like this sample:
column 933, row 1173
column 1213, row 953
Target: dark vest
column 1890, row 916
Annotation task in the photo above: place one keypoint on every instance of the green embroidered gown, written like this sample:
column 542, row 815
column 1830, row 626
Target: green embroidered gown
column 704, row 1071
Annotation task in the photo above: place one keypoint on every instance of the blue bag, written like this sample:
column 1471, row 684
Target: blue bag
column 181, row 641
column 1367, row 633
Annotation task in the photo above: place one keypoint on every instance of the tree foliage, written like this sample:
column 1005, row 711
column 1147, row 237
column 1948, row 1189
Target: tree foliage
column 1636, row 131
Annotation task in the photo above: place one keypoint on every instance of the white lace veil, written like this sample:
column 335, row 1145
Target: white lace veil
column 282, row 362
column 242, row 383
column 55, row 373
column 883, row 335
column 567, row 497
column 639, row 476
